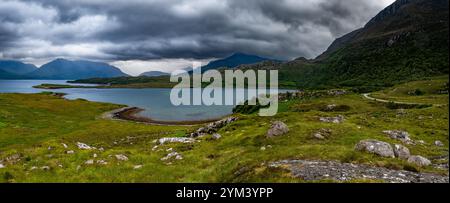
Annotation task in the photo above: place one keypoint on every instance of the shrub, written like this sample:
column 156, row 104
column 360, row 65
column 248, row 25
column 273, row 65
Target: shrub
column 416, row 92
column 412, row 168
column 8, row 176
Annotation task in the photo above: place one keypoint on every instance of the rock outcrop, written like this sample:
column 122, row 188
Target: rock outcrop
column 121, row 157
column 338, row 119
column 213, row 127
column 399, row 135
column 216, row 136
column 89, row 162
column 342, row 172
column 277, row 128
column 438, row 143
column 83, row 146
column 419, row 160
column 380, row 148
column 401, row 151
column 322, row 134
column 165, row 140
column 172, row 155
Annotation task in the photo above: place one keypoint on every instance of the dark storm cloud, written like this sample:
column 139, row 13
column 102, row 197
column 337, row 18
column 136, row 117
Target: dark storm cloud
column 5, row 37
column 143, row 30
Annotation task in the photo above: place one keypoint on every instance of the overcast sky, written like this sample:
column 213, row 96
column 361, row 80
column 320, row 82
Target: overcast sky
column 142, row 35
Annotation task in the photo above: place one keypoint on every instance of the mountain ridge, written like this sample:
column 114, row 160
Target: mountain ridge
column 16, row 68
column 407, row 40
column 235, row 60
column 77, row 69
column 153, row 73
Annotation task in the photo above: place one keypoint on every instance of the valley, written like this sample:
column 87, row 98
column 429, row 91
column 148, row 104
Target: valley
column 48, row 139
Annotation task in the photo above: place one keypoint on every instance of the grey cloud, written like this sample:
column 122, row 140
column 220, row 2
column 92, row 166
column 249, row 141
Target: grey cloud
column 5, row 37
column 144, row 30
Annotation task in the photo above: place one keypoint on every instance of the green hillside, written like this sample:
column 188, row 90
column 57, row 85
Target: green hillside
column 406, row 41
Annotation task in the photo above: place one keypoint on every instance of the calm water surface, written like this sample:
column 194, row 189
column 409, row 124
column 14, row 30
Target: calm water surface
column 155, row 101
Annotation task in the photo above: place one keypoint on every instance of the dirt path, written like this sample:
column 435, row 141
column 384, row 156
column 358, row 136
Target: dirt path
column 367, row 96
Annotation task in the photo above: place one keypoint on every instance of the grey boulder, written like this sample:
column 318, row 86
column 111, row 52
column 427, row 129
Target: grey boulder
column 379, row 148
column 278, row 128
column 399, row 135
column 401, row 151
column 419, row 160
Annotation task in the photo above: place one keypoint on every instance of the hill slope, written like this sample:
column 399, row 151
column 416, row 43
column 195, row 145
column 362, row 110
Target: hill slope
column 65, row 69
column 7, row 75
column 408, row 40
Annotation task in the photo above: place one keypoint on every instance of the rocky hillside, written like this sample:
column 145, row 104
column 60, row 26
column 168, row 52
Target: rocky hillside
column 408, row 40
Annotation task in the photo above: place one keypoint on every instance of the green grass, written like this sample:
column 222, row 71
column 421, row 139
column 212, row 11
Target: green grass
column 30, row 124
column 131, row 82
column 57, row 86
column 425, row 92
column 2, row 125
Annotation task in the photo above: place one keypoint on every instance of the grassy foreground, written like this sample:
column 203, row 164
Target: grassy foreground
column 34, row 127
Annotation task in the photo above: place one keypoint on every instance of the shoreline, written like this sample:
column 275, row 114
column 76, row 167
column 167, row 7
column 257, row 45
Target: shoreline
column 131, row 114
column 46, row 86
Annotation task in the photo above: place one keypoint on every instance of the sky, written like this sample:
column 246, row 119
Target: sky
column 165, row 35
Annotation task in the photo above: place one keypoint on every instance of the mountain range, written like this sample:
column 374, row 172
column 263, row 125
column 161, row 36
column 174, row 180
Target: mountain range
column 66, row 69
column 58, row 69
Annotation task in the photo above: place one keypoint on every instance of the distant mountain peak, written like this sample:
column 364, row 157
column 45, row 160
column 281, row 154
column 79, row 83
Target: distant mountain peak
column 61, row 60
column 241, row 54
column 235, row 60
column 153, row 73
column 81, row 69
column 15, row 68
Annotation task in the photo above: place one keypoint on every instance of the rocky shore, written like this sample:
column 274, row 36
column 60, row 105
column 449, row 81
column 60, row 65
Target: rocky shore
column 132, row 114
